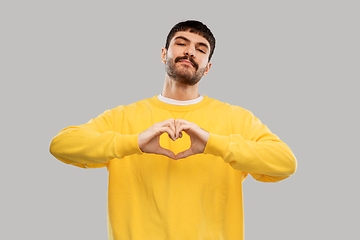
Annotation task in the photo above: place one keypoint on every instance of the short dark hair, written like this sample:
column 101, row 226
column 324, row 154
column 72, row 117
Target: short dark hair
column 194, row 27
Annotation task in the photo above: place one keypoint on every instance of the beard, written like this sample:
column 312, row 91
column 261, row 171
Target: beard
column 184, row 74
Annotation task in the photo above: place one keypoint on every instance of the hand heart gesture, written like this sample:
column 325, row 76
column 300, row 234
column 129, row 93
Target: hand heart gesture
column 149, row 139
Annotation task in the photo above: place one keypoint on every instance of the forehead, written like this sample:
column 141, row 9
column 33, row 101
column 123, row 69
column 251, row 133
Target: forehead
column 193, row 37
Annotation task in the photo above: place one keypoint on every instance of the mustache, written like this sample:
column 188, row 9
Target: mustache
column 189, row 59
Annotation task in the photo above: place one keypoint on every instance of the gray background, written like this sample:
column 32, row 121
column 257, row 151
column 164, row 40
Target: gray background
column 294, row 64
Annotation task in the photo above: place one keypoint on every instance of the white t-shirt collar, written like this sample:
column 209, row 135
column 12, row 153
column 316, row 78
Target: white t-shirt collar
column 179, row 103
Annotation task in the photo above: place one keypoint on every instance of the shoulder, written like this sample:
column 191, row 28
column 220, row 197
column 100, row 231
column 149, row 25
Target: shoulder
column 228, row 108
column 142, row 104
column 121, row 110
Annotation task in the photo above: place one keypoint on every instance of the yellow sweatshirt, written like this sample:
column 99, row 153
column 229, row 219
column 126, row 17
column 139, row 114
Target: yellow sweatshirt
column 153, row 197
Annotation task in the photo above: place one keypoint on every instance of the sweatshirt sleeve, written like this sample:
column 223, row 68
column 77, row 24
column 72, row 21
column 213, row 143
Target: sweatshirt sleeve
column 93, row 144
column 256, row 151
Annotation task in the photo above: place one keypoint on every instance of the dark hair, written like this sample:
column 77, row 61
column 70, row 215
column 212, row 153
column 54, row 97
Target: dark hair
column 194, row 27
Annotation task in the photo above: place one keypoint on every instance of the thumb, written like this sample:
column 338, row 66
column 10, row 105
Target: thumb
column 184, row 154
column 166, row 152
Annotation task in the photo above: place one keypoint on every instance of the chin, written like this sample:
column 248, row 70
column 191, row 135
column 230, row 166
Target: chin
column 187, row 80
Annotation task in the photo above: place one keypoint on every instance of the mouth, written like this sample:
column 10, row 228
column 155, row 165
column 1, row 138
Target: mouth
column 187, row 61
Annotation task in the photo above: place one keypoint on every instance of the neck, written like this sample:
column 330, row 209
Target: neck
column 179, row 91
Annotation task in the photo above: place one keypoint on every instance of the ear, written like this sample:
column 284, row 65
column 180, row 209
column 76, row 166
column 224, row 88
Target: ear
column 207, row 68
column 163, row 55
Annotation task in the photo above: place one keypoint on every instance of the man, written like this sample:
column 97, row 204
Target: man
column 187, row 183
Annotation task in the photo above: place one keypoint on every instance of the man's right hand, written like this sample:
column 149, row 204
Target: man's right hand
column 149, row 140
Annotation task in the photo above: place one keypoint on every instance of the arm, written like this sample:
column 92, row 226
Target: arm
column 93, row 144
column 256, row 151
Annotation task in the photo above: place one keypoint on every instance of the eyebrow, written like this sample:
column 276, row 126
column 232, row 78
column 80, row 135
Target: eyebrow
column 187, row 40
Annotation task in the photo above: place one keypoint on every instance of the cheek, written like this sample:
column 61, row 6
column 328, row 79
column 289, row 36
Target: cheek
column 175, row 51
column 203, row 63
column 172, row 54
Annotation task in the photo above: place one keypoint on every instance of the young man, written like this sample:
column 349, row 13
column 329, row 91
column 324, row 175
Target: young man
column 187, row 183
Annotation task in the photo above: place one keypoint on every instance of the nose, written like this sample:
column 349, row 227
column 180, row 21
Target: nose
column 190, row 51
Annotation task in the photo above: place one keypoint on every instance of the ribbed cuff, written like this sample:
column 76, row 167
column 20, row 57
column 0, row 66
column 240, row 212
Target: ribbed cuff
column 127, row 145
column 217, row 145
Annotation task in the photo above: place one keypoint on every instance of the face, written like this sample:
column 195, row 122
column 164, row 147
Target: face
column 186, row 59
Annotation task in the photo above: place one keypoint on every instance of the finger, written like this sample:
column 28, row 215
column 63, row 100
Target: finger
column 173, row 129
column 181, row 128
column 194, row 131
column 171, row 120
column 166, row 152
column 178, row 134
column 170, row 123
column 169, row 131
